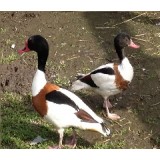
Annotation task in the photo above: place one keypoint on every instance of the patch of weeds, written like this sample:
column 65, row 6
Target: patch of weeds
column 85, row 70
column 64, row 82
column 9, row 42
column 11, row 99
column 123, row 132
column 6, row 60
column 56, row 67
column 22, row 37
column 83, row 144
column 152, row 121
column 3, row 30
column 49, row 64
column 156, row 141
column 152, row 76
column 119, row 144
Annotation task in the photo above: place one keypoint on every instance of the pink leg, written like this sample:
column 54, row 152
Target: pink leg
column 73, row 141
column 108, row 105
column 70, row 144
column 60, row 131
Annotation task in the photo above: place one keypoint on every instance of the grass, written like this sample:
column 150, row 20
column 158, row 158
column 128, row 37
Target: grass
column 3, row 30
column 6, row 60
column 21, row 124
column 64, row 82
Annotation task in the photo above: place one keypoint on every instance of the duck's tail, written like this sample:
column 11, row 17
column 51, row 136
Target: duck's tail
column 78, row 85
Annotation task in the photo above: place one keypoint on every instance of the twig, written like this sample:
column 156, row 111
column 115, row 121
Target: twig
column 89, row 58
column 145, row 95
column 145, row 41
column 129, row 128
column 72, row 58
column 149, row 49
column 82, row 40
column 25, row 61
column 118, row 123
column 98, row 58
column 138, row 35
column 128, row 20
column 122, row 119
column 127, row 123
column 1, row 57
column 155, row 104
column 104, row 27
column 147, row 137
column 113, row 26
column 142, row 40
column 106, row 140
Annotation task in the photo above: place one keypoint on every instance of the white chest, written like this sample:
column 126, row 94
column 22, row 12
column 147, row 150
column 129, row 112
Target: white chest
column 126, row 69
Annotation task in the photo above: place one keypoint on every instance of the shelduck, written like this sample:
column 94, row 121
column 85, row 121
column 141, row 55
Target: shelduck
column 55, row 104
column 110, row 79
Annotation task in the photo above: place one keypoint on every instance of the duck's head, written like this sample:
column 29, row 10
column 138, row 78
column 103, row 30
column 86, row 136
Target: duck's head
column 35, row 43
column 40, row 45
column 123, row 40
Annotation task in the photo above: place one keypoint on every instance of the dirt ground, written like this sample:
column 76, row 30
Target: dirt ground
column 80, row 42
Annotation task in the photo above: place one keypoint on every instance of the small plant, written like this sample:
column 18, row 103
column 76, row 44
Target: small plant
column 9, row 59
column 62, row 81
column 3, row 30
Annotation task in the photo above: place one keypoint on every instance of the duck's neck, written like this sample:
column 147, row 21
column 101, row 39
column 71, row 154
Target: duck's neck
column 42, row 58
column 39, row 81
column 120, row 53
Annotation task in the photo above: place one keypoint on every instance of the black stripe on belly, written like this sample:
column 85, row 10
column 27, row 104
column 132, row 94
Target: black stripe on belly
column 60, row 98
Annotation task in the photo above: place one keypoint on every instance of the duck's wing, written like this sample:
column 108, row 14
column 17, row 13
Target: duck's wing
column 72, row 104
column 96, row 79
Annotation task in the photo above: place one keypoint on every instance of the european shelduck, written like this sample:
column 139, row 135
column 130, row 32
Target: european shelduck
column 110, row 79
column 57, row 105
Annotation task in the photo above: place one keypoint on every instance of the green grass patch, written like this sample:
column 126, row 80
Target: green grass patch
column 21, row 124
column 61, row 81
column 3, row 30
column 6, row 60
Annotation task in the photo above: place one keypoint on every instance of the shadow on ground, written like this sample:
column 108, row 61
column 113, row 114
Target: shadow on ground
column 143, row 95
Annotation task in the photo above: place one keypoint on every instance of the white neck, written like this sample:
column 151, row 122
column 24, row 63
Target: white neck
column 126, row 69
column 38, row 83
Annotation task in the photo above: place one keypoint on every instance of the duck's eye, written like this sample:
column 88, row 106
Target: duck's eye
column 126, row 40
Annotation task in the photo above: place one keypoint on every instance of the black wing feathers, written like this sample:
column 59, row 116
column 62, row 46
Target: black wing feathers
column 109, row 71
column 88, row 79
column 60, row 98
